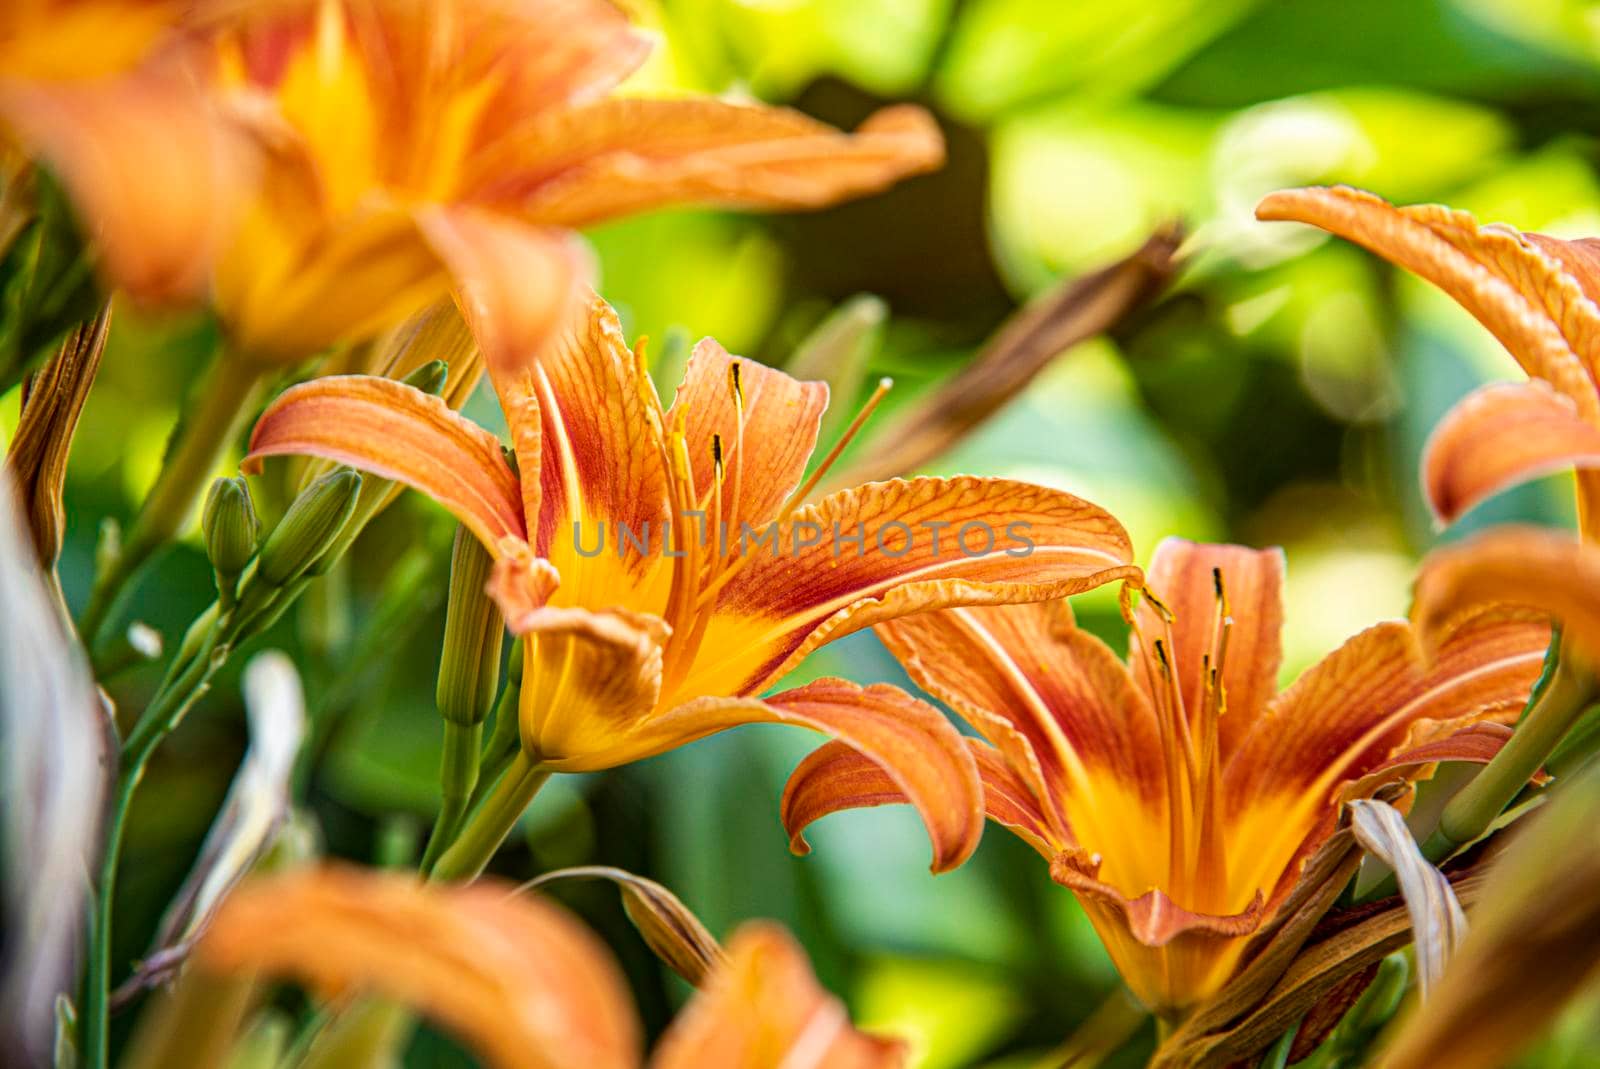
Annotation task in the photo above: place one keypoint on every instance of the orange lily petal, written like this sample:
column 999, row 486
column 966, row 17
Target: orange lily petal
column 834, row 777
column 1541, row 569
column 1499, row 436
column 516, row 979
column 1151, row 918
column 1476, row 744
column 1353, row 711
column 791, row 599
column 552, row 54
column 400, row 433
column 781, row 418
column 1168, row 956
column 1506, row 280
column 520, row 582
column 1026, row 672
column 763, row 1009
column 158, row 220
column 920, row 750
column 602, row 462
column 516, row 283
column 274, row 280
column 1183, row 574
column 625, row 156
column 589, row 678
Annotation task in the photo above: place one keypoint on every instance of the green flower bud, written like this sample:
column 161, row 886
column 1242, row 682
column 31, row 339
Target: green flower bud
column 469, row 666
column 309, row 528
column 430, row 377
column 232, row 531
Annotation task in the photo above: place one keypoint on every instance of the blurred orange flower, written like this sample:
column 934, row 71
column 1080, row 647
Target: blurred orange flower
column 520, row 982
column 660, row 567
column 1537, row 295
column 414, row 143
column 108, row 94
column 1180, row 795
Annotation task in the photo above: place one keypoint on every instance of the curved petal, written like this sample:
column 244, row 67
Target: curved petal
column 520, row 582
column 516, row 979
column 603, row 465
column 1544, row 570
column 400, row 433
column 1477, row 743
column 763, row 1009
column 516, row 284
column 1499, row 436
column 623, row 156
column 1196, row 581
column 1058, row 703
column 834, row 777
column 1353, row 710
column 158, row 220
column 589, row 679
column 1522, row 295
column 765, row 462
column 1169, row 956
column 921, row 751
column 885, row 550
column 1152, row 918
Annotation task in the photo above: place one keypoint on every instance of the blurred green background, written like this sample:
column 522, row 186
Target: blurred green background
column 1279, row 394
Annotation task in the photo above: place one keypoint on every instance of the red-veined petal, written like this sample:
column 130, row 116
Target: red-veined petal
column 834, row 777
column 926, row 544
column 400, row 433
column 1499, row 436
column 911, row 741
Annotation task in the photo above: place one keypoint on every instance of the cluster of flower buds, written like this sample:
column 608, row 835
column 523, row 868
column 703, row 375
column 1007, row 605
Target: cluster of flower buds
column 258, row 579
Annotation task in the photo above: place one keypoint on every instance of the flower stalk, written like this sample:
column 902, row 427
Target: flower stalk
column 491, row 820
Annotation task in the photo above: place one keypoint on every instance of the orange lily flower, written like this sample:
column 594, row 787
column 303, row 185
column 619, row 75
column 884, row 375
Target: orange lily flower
column 521, row 983
column 711, row 581
column 1179, row 795
column 90, row 87
column 1539, row 296
column 411, row 144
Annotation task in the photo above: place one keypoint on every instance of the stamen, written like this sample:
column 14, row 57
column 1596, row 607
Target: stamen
column 799, row 496
column 1166, row 614
column 736, row 384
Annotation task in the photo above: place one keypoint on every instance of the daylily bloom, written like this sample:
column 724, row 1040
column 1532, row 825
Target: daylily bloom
column 1179, row 795
column 1537, row 295
column 523, row 984
column 412, row 144
column 105, row 93
column 713, row 580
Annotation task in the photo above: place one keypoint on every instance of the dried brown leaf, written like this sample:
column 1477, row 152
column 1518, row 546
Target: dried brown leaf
column 1024, row 346
column 52, row 401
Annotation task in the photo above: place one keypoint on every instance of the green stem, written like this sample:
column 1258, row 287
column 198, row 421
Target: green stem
column 216, row 417
column 96, row 1015
column 458, row 775
column 505, row 741
column 164, row 713
column 1547, row 721
column 491, row 821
